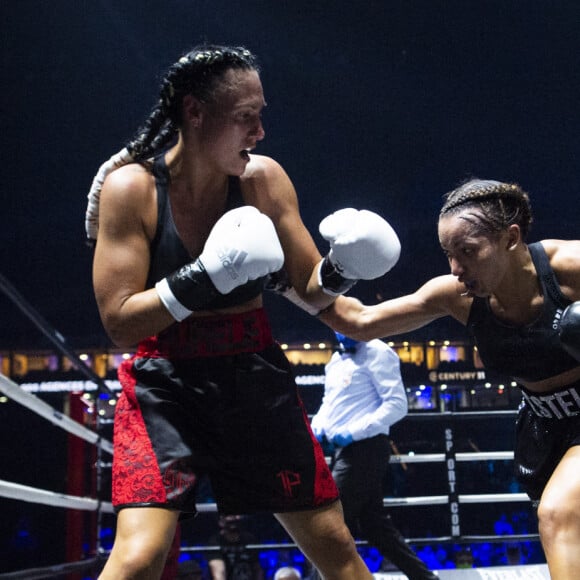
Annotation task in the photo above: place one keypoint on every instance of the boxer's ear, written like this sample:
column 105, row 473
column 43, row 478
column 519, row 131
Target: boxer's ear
column 514, row 237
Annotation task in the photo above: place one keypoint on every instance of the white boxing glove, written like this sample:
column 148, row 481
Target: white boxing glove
column 363, row 246
column 242, row 245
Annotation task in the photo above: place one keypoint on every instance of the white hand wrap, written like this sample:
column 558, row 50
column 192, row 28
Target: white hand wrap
column 170, row 301
column 279, row 283
column 121, row 158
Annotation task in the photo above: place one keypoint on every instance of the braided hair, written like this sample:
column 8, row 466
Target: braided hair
column 199, row 72
column 500, row 204
column 196, row 73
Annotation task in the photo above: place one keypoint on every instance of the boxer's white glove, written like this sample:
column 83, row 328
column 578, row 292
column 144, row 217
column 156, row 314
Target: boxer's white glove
column 242, row 245
column 363, row 246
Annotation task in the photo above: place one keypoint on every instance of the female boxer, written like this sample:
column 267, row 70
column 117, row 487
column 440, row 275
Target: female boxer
column 188, row 224
column 519, row 302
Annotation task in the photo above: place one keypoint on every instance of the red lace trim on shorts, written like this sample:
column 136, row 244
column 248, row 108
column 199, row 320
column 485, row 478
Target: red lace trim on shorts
column 136, row 474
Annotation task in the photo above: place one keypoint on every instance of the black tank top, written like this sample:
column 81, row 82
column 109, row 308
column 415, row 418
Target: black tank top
column 168, row 252
column 531, row 352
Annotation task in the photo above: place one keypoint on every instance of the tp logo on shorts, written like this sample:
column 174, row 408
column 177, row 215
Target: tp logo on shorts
column 289, row 480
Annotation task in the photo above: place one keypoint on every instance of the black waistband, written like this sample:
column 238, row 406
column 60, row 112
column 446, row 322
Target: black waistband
column 211, row 336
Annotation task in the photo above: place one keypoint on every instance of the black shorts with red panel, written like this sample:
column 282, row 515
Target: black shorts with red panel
column 216, row 396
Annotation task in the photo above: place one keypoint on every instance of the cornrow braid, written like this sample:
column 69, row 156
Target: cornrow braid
column 501, row 204
column 196, row 73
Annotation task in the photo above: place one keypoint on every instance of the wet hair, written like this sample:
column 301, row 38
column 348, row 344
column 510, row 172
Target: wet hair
column 200, row 72
column 500, row 205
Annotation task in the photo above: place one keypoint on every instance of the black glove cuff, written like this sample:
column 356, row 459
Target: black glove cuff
column 331, row 280
column 278, row 282
column 192, row 286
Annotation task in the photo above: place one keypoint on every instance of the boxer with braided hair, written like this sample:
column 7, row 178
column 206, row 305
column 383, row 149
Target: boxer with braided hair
column 499, row 204
column 194, row 73
column 189, row 224
column 521, row 304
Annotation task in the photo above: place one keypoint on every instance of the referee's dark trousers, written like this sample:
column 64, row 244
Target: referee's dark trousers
column 359, row 470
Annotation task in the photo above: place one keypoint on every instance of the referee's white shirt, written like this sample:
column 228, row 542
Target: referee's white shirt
column 363, row 392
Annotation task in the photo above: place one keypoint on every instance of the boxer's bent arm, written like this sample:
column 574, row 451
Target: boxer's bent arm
column 267, row 186
column 435, row 299
column 121, row 261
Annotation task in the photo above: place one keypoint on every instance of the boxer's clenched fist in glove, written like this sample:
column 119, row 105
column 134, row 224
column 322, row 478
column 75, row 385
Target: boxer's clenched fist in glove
column 363, row 246
column 570, row 330
column 242, row 245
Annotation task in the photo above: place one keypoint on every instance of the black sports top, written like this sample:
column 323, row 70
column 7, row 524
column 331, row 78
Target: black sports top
column 168, row 252
column 531, row 352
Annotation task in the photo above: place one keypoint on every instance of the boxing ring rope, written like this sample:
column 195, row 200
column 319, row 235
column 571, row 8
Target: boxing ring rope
column 51, row 333
column 28, row 400
column 26, row 493
column 14, row 392
column 20, row 492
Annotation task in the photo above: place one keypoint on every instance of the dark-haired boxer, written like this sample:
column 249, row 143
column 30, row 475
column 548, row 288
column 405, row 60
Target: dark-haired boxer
column 188, row 224
column 515, row 300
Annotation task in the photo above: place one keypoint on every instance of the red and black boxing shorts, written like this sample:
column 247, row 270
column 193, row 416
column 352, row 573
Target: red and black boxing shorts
column 548, row 424
column 216, row 397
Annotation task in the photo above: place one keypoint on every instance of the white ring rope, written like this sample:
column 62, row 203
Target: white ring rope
column 12, row 390
column 25, row 493
column 444, row 499
column 31, row 494
column 55, row 571
column 440, row 457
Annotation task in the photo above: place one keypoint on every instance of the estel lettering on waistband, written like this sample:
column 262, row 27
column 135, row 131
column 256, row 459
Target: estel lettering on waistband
column 561, row 404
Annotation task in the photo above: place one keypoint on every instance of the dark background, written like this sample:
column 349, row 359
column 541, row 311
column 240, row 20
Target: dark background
column 376, row 104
